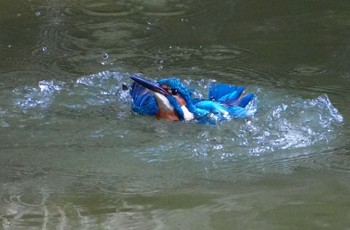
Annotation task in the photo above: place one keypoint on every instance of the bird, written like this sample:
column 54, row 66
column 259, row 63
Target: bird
column 169, row 99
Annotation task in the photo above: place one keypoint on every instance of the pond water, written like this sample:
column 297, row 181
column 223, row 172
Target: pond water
column 73, row 156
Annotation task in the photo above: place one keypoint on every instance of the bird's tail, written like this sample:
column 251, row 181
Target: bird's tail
column 229, row 95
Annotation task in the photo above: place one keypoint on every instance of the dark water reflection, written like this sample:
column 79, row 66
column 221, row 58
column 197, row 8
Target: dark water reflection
column 72, row 156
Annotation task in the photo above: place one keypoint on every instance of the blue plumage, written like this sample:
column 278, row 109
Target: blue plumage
column 219, row 90
column 144, row 102
column 169, row 97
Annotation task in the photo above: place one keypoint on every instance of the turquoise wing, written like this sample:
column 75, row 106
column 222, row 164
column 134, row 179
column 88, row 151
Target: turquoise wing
column 229, row 95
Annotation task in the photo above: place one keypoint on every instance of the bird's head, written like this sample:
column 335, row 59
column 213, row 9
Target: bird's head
column 171, row 95
column 176, row 89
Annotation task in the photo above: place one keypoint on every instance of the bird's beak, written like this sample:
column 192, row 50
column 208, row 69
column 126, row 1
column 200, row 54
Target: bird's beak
column 151, row 85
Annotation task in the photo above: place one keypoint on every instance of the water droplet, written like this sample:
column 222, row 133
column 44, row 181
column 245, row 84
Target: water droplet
column 37, row 13
column 45, row 49
column 105, row 56
column 184, row 19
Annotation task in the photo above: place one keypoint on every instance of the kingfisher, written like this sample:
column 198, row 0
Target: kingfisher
column 169, row 99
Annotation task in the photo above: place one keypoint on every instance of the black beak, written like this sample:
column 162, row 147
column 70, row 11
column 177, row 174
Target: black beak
column 151, row 85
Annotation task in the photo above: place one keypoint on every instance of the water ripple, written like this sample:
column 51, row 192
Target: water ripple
column 115, row 9
column 310, row 70
column 119, row 9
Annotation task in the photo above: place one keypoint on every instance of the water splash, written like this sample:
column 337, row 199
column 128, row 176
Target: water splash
column 95, row 89
column 282, row 122
column 296, row 124
column 37, row 97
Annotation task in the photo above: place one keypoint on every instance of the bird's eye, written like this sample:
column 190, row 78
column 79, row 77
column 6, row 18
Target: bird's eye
column 174, row 91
